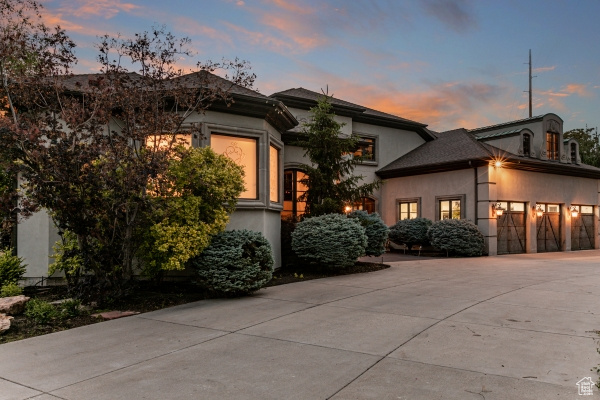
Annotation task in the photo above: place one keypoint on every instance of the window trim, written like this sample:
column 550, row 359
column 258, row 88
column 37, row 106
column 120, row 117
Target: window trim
column 375, row 139
column 460, row 197
column 294, row 169
column 408, row 201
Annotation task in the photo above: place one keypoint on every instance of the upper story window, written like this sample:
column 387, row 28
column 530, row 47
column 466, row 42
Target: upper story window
column 573, row 153
column 526, row 144
column 552, row 145
column 243, row 151
column 366, row 149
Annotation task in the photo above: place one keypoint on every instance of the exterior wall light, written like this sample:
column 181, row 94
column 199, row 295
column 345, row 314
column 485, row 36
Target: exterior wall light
column 497, row 209
column 498, row 164
column 539, row 211
column 574, row 211
column 348, row 209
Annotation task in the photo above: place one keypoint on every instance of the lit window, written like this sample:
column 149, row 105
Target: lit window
column 293, row 190
column 408, row 210
column 365, row 149
column 527, row 144
column 552, row 145
column 449, row 209
column 243, row 152
column 163, row 142
column 587, row 209
column 274, row 174
column 365, row 204
column 553, row 208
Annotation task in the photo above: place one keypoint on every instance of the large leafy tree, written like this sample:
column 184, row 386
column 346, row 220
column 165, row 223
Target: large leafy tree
column 330, row 179
column 589, row 144
column 88, row 146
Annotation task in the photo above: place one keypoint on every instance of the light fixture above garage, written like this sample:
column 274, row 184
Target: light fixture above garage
column 574, row 211
column 539, row 211
column 498, row 209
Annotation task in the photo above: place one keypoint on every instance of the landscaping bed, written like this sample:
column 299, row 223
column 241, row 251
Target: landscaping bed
column 145, row 296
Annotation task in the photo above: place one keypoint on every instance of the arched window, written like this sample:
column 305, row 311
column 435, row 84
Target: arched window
column 366, row 204
column 293, row 189
column 526, row 144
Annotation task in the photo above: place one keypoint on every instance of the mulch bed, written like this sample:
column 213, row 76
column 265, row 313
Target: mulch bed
column 145, row 296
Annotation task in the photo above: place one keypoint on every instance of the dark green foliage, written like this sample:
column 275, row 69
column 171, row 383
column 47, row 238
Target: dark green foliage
column 41, row 311
column 331, row 240
column 236, row 262
column 12, row 268
column 288, row 257
column 330, row 179
column 69, row 308
column 456, row 236
column 410, row 232
column 375, row 229
column 10, row 290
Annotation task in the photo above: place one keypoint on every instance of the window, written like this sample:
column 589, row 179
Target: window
column 587, row 209
column 573, row 152
column 274, row 174
column 552, row 145
column 243, row 151
column 408, row 209
column 450, row 209
column 526, row 144
column 366, row 149
column 365, row 204
column 293, row 190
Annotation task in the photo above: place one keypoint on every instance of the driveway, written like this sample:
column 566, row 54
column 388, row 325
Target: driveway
column 507, row 327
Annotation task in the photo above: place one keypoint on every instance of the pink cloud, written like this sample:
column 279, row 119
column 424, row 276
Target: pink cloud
column 292, row 8
column 544, row 69
column 578, row 89
column 260, row 39
column 193, row 27
column 97, row 8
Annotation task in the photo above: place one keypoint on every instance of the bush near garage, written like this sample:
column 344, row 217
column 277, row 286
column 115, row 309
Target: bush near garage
column 236, row 262
column 456, row 236
column 375, row 229
column 331, row 241
column 410, row 232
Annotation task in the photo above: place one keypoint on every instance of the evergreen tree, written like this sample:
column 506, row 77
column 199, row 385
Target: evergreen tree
column 330, row 179
column 589, row 144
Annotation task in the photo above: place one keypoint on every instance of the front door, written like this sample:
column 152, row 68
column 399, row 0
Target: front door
column 511, row 228
column 548, row 228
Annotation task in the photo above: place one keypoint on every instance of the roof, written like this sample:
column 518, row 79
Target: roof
column 305, row 99
column 459, row 149
column 517, row 122
column 499, row 134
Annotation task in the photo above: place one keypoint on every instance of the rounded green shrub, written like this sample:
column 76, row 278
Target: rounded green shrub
column 456, row 236
column 410, row 232
column 41, row 311
column 10, row 290
column 330, row 240
column 236, row 262
column 375, row 229
column 12, row 268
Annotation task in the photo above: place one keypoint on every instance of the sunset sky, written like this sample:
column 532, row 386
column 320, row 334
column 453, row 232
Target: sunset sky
column 445, row 63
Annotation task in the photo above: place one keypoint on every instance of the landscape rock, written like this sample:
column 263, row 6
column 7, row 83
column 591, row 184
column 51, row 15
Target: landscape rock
column 13, row 305
column 4, row 323
column 114, row 314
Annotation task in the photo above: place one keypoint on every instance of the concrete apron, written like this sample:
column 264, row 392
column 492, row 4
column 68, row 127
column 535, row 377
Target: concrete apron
column 507, row 327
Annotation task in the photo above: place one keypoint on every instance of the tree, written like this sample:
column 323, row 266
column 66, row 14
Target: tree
column 589, row 144
column 330, row 179
column 88, row 146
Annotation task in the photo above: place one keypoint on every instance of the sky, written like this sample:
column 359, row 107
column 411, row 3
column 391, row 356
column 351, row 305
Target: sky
column 444, row 63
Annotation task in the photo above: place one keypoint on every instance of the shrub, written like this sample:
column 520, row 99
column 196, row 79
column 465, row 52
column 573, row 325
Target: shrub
column 69, row 308
column 40, row 311
column 410, row 232
column 375, row 229
column 456, row 236
column 10, row 290
column 288, row 257
column 236, row 262
column 330, row 240
column 12, row 268
column 67, row 258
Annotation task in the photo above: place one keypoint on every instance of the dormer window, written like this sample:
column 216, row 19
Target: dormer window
column 526, row 144
column 552, row 145
column 573, row 153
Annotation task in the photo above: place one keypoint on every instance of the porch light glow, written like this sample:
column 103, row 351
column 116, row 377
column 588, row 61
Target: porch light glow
column 347, row 209
column 498, row 164
column 539, row 211
column 574, row 211
column 498, row 209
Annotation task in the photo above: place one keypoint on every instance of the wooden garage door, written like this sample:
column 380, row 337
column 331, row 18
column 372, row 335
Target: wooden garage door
column 582, row 228
column 548, row 228
column 511, row 228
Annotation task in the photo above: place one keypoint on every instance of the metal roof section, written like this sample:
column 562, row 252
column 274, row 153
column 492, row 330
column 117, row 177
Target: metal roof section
column 518, row 122
column 499, row 134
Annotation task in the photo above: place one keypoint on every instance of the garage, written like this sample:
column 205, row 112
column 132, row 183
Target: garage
column 582, row 227
column 548, row 227
column 511, row 228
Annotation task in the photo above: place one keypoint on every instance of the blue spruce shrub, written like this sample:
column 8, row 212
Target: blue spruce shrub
column 456, row 236
column 235, row 262
column 375, row 229
column 331, row 240
column 410, row 232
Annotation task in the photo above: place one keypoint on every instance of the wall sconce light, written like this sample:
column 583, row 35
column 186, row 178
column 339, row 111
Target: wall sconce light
column 539, row 211
column 498, row 164
column 497, row 209
column 574, row 211
column 348, row 209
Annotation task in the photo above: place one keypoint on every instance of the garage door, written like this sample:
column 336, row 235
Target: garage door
column 511, row 228
column 548, row 228
column 582, row 228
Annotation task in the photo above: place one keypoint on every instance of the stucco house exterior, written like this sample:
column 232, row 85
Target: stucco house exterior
column 521, row 167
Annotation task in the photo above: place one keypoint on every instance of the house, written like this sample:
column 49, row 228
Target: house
column 523, row 170
column 520, row 182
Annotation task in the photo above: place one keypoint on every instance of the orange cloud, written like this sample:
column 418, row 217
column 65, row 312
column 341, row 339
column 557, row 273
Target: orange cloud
column 294, row 29
column 578, row 89
column 261, row 39
column 192, row 27
column 293, row 8
column 98, row 8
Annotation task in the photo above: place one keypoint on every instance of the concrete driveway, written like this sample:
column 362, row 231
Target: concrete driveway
column 507, row 327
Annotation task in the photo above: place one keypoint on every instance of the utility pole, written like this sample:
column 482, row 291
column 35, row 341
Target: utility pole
column 530, row 91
